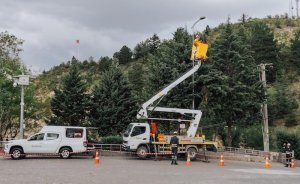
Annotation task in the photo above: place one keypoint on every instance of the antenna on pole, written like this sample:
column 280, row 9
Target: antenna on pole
column 297, row 8
column 291, row 9
column 77, row 43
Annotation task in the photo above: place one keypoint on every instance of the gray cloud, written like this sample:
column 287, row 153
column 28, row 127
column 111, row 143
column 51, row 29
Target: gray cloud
column 50, row 27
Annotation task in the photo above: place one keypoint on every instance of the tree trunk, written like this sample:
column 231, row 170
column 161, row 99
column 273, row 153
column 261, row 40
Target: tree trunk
column 229, row 135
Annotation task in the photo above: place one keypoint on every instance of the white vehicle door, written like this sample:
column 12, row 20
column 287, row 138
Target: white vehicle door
column 35, row 144
column 139, row 135
column 51, row 142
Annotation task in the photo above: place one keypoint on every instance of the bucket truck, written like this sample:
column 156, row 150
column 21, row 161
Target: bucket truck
column 142, row 139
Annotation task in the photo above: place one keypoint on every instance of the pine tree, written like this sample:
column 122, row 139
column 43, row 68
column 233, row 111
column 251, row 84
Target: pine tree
column 295, row 51
column 104, row 63
column 112, row 103
column 153, row 44
column 141, row 51
column 171, row 61
column 124, row 55
column 232, row 91
column 265, row 50
column 69, row 105
column 147, row 48
column 136, row 78
column 282, row 104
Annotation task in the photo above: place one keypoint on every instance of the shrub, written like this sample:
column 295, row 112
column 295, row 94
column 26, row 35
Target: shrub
column 252, row 137
column 111, row 140
column 236, row 136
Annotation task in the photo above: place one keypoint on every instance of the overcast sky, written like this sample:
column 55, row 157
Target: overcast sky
column 50, row 28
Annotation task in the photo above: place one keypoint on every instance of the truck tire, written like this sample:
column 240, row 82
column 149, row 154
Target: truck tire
column 142, row 152
column 16, row 153
column 193, row 153
column 65, row 153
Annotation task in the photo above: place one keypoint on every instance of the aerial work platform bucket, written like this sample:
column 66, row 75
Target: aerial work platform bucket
column 199, row 51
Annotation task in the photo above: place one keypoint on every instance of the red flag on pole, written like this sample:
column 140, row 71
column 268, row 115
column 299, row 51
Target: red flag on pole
column 77, row 41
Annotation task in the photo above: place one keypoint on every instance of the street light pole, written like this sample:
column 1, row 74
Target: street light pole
column 193, row 78
column 22, row 113
column 22, row 80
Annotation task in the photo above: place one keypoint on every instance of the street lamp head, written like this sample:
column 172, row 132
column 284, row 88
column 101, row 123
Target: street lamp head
column 201, row 18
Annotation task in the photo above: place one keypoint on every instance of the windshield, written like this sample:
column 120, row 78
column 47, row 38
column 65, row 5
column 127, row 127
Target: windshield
column 128, row 130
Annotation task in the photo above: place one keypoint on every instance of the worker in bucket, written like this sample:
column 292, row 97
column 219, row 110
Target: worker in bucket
column 199, row 49
column 174, row 146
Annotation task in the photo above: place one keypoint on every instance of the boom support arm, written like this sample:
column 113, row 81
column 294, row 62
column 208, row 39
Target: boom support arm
column 142, row 114
column 191, row 132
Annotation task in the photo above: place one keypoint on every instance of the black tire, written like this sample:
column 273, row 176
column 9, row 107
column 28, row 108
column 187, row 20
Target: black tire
column 65, row 153
column 17, row 153
column 193, row 153
column 142, row 152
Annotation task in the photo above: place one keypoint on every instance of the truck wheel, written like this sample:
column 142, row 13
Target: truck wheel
column 65, row 153
column 192, row 152
column 16, row 153
column 142, row 152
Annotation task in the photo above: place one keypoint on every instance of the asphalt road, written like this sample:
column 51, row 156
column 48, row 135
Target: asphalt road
column 125, row 170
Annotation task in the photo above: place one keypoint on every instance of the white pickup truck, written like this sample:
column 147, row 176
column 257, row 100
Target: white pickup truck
column 51, row 139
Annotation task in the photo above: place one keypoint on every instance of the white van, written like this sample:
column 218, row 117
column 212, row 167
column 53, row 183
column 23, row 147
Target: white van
column 51, row 139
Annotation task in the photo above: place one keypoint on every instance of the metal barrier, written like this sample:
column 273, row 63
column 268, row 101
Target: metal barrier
column 252, row 152
column 284, row 159
column 108, row 147
column 242, row 151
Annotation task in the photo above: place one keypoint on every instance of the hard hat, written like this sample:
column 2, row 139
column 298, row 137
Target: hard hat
column 175, row 133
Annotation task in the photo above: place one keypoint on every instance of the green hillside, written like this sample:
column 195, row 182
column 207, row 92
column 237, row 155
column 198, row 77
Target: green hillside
column 226, row 88
column 91, row 70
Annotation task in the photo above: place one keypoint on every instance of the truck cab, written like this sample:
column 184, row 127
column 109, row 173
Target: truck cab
column 136, row 135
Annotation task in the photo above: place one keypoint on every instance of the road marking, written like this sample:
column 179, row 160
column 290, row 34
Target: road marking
column 266, row 171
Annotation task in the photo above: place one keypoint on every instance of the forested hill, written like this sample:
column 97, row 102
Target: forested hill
column 140, row 64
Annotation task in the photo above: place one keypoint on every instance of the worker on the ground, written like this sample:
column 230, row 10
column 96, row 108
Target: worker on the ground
column 174, row 146
column 288, row 153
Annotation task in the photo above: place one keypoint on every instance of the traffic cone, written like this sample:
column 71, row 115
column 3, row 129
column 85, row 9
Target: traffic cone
column 221, row 163
column 293, row 163
column 97, row 157
column 267, row 163
column 188, row 160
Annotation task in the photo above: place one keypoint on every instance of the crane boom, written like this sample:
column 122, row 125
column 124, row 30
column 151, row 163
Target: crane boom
column 142, row 114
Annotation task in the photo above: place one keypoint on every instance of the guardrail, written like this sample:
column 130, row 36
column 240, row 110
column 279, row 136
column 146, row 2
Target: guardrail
column 252, row 152
column 243, row 151
column 109, row 147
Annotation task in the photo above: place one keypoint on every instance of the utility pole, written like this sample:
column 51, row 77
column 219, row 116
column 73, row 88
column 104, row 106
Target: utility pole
column 264, row 108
